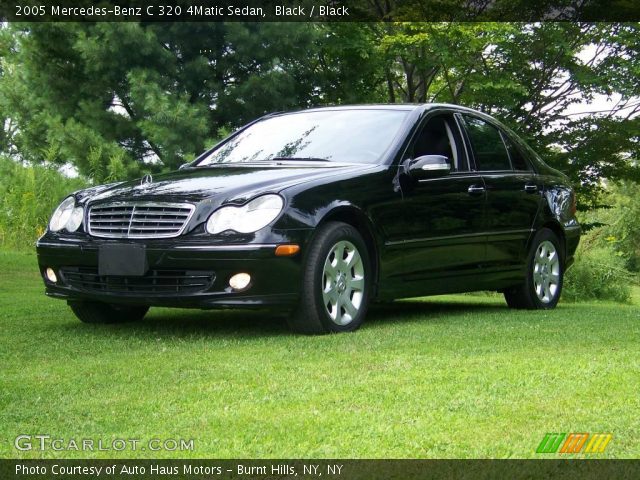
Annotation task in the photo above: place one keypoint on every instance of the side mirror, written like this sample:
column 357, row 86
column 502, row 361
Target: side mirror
column 184, row 165
column 428, row 166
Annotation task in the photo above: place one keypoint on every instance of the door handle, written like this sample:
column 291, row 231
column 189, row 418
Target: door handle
column 530, row 188
column 475, row 190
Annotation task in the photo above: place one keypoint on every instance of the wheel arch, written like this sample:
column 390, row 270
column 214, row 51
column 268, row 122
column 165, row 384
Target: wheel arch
column 557, row 229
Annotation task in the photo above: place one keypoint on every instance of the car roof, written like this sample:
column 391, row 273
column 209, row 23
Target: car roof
column 385, row 106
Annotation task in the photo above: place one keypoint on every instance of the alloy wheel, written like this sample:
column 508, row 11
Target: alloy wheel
column 343, row 282
column 546, row 272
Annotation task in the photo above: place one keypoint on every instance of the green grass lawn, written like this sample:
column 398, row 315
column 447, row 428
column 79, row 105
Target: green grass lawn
column 450, row 376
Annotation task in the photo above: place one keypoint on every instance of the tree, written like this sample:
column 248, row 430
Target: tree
column 159, row 92
column 150, row 96
column 529, row 75
column 7, row 124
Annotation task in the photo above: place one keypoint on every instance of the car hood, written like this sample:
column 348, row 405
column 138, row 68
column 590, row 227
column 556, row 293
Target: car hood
column 226, row 183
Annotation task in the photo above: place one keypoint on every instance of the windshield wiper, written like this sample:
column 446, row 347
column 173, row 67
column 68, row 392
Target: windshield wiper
column 274, row 159
column 298, row 159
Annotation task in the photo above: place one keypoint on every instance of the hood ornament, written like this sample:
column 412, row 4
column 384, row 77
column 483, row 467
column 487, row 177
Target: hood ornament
column 146, row 179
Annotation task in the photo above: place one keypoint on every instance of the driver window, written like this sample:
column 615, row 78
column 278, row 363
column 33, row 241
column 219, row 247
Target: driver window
column 438, row 137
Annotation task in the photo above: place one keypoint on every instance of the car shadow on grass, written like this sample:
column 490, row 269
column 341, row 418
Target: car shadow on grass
column 427, row 310
column 177, row 323
column 166, row 322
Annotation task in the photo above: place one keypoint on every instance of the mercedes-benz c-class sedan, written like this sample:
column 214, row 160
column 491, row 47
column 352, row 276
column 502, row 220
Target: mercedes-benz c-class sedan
column 320, row 212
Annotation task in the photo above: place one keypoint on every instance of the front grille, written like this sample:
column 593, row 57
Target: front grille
column 155, row 282
column 139, row 220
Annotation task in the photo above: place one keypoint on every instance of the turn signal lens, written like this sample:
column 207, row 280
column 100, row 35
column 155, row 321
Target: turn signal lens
column 287, row 250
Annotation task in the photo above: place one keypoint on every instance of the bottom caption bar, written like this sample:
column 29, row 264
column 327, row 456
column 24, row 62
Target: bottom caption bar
column 307, row 469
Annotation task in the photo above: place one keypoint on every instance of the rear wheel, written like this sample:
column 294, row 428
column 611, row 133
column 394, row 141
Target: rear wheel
column 98, row 312
column 336, row 282
column 545, row 271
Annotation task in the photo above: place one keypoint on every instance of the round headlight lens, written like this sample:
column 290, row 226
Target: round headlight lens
column 251, row 217
column 75, row 220
column 67, row 216
column 62, row 214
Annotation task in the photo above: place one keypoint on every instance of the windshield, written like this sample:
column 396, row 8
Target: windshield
column 352, row 136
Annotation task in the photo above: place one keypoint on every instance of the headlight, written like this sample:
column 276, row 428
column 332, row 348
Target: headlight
column 253, row 216
column 67, row 216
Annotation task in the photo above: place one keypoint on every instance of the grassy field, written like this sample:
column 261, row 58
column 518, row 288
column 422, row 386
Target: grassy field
column 452, row 376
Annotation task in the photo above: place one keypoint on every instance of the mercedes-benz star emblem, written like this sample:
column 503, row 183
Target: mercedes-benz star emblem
column 146, row 179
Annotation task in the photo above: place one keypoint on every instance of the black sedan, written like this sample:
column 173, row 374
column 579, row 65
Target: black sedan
column 321, row 212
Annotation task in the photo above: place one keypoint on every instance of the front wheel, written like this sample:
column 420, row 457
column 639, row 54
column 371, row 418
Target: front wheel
column 544, row 275
column 98, row 312
column 336, row 282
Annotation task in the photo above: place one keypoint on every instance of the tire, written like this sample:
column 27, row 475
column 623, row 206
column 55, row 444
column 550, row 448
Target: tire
column 98, row 312
column 544, row 275
column 336, row 282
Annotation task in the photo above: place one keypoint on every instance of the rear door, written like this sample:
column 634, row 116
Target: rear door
column 513, row 192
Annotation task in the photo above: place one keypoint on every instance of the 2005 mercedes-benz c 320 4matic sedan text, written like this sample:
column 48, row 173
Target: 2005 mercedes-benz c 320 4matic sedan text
column 321, row 212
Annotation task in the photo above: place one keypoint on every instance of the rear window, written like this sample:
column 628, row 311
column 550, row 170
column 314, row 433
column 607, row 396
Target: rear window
column 518, row 160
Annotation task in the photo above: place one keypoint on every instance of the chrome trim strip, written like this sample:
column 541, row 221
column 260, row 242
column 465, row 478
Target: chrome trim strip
column 191, row 207
column 479, row 173
column 213, row 248
column 453, row 175
column 263, row 246
column 58, row 245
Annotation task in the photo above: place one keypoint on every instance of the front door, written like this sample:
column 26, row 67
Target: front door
column 444, row 217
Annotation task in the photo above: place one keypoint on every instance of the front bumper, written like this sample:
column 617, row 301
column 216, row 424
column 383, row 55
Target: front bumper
column 275, row 281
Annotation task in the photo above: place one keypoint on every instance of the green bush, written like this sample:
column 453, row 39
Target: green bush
column 617, row 222
column 623, row 229
column 28, row 196
column 598, row 273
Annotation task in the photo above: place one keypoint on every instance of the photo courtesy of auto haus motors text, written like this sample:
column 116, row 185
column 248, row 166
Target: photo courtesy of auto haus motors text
column 282, row 470
column 337, row 239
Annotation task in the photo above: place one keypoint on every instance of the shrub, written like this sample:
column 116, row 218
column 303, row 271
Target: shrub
column 598, row 273
column 624, row 223
column 617, row 223
column 28, row 196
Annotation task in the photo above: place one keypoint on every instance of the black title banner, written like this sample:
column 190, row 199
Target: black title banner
column 317, row 469
column 318, row 11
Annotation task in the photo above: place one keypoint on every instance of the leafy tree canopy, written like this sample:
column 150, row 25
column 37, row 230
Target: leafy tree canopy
column 86, row 93
column 115, row 98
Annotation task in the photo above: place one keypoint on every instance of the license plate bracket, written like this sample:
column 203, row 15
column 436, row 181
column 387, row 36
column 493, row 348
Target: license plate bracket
column 126, row 260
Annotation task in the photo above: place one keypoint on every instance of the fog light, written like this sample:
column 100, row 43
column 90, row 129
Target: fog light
column 240, row 281
column 51, row 275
